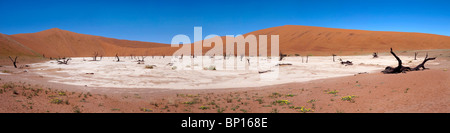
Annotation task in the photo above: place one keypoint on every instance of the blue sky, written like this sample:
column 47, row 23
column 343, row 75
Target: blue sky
column 159, row 21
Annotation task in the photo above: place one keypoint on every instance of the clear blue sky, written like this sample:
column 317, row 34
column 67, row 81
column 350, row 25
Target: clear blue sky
column 159, row 21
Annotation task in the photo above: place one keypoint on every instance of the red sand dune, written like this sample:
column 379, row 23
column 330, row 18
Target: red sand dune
column 293, row 40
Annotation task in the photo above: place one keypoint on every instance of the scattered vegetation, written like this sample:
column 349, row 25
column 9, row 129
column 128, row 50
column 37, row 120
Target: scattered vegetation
column 274, row 110
column 6, row 71
column 220, row 110
column 332, row 92
column 56, row 101
column 349, row 98
column 301, row 109
column 311, row 101
column 290, row 95
column 406, row 90
column 260, row 101
column 281, row 102
column 203, row 107
column 76, row 109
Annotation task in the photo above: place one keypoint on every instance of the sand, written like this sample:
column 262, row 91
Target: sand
column 419, row 91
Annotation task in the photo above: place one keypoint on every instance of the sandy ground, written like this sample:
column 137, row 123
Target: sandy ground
column 420, row 91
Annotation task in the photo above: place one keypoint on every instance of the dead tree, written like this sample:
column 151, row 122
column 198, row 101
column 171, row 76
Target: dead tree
column 345, row 62
column 307, row 58
column 422, row 65
column 14, row 61
column 402, row 69
column 375, row 54
column 95, row 56
column 117, row 58
column 282, row 56
column 415, row 55
column 333, row 56
column 64, row 60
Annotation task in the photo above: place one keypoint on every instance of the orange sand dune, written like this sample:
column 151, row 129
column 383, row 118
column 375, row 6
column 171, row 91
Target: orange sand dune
column 55, row 42
column 293, row 39
column 324, row 41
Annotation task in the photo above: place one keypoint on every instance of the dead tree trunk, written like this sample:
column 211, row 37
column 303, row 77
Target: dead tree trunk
column 14, row 61
column 333, row 57
column 117, row 58
column 307, row 58
column 95, row 56
column 282, row 56
column 401, row 69
column 64, row 60
column 415, row 55
column 375, row 54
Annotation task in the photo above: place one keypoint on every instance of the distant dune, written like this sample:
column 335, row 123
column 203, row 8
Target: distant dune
column 294, row 39
column 325, row 41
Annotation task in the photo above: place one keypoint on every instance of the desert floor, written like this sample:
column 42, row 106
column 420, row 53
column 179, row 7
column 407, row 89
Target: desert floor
column 316, row 86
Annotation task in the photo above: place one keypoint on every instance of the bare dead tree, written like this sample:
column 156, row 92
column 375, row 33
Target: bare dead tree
column 307, row 58
column 375, row 54
column 64, row 60
column 415, row 55
column 282, row 56
column 333, row 56
column 14, row 61
column 402, row 69
column 95, row 56
column 117, row 58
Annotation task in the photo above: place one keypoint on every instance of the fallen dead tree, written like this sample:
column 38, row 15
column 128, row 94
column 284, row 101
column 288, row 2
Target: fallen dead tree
column 64, row 60
column 402, row 69
column 346, row 62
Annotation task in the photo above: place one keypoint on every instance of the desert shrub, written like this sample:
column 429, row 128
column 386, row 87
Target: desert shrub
column 220, row 110
column 149, row 66
column 76, row 109
column 210, row 68
column 290, row 95
column 8, row 85
column 282, row 102
column 349, row 98
column 56, row 101
column 203, row 107
column 61, row 93
column 332, row 92
column 6, row 71
column 260, row 101
column 146, row 110
column 311, row 101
